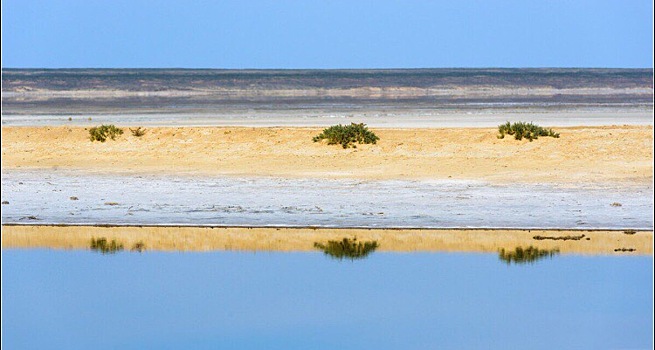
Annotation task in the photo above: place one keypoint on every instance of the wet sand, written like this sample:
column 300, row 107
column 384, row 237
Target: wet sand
column 600, row 154
column 201, row 239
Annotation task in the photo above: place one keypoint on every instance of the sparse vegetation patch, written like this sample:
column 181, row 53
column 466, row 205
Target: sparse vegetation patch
column 521, row 129
column 102, row 132
column 138, row 132
column 347, row 135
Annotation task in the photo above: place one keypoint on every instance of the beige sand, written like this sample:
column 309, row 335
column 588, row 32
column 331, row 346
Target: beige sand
column 611, row 153
column 302, row 239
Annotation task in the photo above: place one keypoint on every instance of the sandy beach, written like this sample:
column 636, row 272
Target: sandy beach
column 302, row 239
column 590, row 154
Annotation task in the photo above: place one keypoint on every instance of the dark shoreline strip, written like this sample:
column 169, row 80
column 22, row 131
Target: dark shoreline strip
column 336, row 228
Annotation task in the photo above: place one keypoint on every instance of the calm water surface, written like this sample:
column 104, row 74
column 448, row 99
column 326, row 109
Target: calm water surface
column 82, row 299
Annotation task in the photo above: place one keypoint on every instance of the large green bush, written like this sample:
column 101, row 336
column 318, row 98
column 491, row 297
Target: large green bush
column 347, row 135
column 521, row 129
column 102, row 132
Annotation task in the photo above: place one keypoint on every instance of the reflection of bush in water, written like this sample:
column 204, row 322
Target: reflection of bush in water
column 105, row 247
column 138, row 247
column 347, row 248
column 526, row 255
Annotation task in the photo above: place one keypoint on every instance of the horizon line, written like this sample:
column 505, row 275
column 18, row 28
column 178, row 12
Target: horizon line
column 290, row 69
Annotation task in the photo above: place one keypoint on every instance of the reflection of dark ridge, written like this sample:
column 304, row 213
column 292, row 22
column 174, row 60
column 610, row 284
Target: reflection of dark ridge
column 347, row 248
column 522, row 255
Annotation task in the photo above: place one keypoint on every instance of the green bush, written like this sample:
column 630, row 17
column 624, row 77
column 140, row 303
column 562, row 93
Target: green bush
column 347, row 135
column 347, row 248
column 102, row 132
column 528, row 130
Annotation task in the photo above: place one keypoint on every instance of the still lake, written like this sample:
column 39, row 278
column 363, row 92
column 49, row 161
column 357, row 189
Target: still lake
column 55, row 299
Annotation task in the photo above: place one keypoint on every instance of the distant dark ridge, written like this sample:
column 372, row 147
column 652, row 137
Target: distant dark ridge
column 186, row 79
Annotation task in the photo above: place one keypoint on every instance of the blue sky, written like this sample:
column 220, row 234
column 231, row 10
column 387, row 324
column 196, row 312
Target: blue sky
column 326, row 34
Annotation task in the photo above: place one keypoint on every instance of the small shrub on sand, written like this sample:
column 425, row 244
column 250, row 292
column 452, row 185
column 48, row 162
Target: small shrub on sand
column 347, row 135
column 528, row 130
column 138, row 132
column 102, row 132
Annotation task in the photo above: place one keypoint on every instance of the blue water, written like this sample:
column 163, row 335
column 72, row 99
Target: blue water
column 242, row 300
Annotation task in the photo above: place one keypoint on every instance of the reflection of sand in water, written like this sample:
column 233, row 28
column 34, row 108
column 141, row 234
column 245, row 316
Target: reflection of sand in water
column 303, row 239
